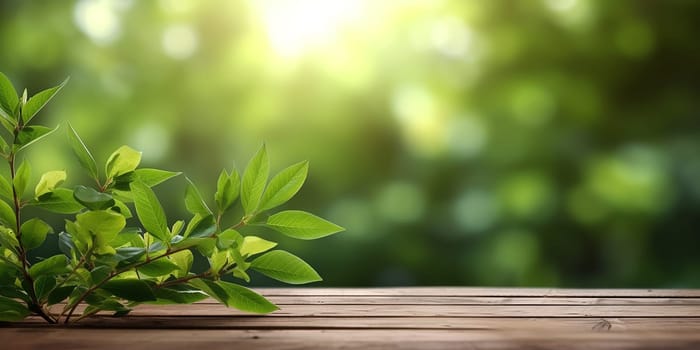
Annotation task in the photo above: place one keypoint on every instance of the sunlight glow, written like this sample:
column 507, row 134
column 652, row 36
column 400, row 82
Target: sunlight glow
column 294, row 27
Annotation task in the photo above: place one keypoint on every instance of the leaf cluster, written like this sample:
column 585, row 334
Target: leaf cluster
column 111, row 266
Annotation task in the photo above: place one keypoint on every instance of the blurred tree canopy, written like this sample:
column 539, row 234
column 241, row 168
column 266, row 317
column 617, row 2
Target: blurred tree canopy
column 521, row 143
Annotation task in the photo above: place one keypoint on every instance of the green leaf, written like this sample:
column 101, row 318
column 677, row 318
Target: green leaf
column 122, row 208
column 150, row 212
column 255, row 245
column 284, row 185
column 60, row 201
column 59, row 294
column 22, row 176
column 193, row 200
column 34, row 233
column 11, row 310
column 228, row 188
column 130, row 289
column 254, row 180
column 179, row 294
column 103, row 226
column 160, row 267
column 43, row 286
column 301, row 225
column 122, row 161
column 8, row 239
column 236, row 296
column 152, row 177
column 7, row 215
column 183, row 259
column 227, row 238
column 286, row 267
column 92, row 199
column 38, row 101
column 30, row 134
column 55, row 265
column 82, row 153
column 8, row 95
column 49, row 180
column 5, row 188
column 200, row 227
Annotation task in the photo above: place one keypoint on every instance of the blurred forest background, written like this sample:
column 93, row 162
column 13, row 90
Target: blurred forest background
column 515, row 143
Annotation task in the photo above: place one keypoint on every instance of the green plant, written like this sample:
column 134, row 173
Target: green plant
column 108, row 266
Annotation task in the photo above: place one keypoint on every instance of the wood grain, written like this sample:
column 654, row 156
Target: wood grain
column 410, row 318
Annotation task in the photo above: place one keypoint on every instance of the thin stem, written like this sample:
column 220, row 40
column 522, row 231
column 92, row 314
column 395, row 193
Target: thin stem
column 184, row 279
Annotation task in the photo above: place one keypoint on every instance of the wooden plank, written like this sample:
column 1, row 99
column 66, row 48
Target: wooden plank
column 34, row 338
column 359, row 323
column 483, row 292
column 434, row 310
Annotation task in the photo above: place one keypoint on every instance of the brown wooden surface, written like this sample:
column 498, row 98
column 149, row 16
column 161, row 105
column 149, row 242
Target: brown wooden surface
column 417, row 318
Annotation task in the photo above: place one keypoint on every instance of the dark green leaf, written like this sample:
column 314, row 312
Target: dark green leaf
column 92, row 199
column 301, row 225
column 60, row 201
column 201, row 227
column 284, row 185
column 179, row 294
column 38, row 101
column 82, row 153
column 44, row 285
column 152, row 177
column 130, row 289
column 254, row 180
column 59, row 294
column 30, row 134
column 11, row 310
column 150, row 212
column 160, row 267
column 286, row 267
column 34, row 233
column 128, row 255
column 194, row 202
column 55, row 265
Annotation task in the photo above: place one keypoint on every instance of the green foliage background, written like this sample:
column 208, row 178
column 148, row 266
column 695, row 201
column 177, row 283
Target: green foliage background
column 534, row 143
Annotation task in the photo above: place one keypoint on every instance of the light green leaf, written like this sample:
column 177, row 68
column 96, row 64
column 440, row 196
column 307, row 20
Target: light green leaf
column 103, row 226
column 60, row 201
column 5, row 188
column 200, row 226
column 284, row 185
column 92, row 199
column 193, row 200
column 49, row 180
column 286, row 267
column 150, row 212
column 30, row 134
column 255, row 245
column 34, row 233
column 8, row 239
column 82, row 153
column 236, row 296
column 254, row 180
column 7, row 215
column 160, row 267
column 8, row 96
column 122, row 208
column 301, row 225
column 55, row 265
column 38, row 101
column 227, row 238
column 228, row 188
column 12, row 311
column 183, row 259
column 122, row 161
column 24, row 172
column 152, row 177
column 130, row 289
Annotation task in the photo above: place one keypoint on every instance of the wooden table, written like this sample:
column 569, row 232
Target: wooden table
column 420, row 318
